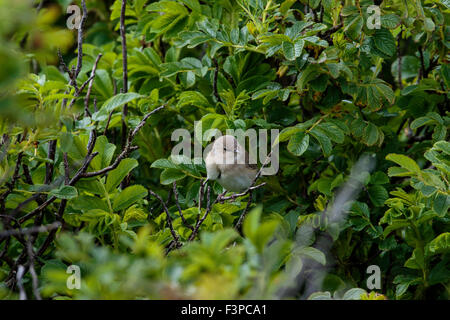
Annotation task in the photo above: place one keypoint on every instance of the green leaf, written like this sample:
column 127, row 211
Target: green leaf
column 105, row 153
column 396, row 224
column 134, row 213
column 440, row 244
column 193, row 98
column 324, row 141
column 441, row 204
column 116, row 176
column 128, row 196
column 378, row 195
column 312, row 253
column 119, row 100
column 65, row 192
column 404, row 161
column 385, row 42
column 258, row 232
column 390, row 21
column 168, row 176
column 298, row 143
column 164, row 164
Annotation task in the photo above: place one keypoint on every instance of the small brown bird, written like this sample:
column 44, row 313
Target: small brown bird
column 228, row 163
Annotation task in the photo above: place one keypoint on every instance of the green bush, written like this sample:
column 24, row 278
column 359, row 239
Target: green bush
column 87, row 177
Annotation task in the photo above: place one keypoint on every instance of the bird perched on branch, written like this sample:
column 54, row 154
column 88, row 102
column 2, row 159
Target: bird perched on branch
column 228, row 163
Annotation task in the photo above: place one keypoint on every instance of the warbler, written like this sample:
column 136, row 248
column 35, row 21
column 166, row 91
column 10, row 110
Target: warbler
column 228, row 163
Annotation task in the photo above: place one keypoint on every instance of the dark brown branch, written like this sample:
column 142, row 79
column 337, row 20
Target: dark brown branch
column 127, row 148
column 80, row 40
column 175, row 192
column 169, row 219
column 64, row 65
column 241, row 218
column 399, row 74
column 91, row 82
column 107, row 122
column 237, row 195
column 30, row 230
column 26, row 174
column 207, row 210
column 332, row 30
column 49, row 167
column 74, row 180
column 422, row 65
column 125, row 68
column 66, row 169
column 216, row 74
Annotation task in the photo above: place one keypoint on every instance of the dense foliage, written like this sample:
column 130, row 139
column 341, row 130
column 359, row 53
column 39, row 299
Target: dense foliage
column 86, row 176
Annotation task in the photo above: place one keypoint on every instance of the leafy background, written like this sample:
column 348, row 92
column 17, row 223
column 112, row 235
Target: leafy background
column 86, row 175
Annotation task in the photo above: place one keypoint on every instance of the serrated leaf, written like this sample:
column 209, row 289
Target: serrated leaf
column 298, row 143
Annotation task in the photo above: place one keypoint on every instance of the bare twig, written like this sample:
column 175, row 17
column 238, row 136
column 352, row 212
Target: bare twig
column 49, row 167
column 175, row 192
column 422, row 64
column 91, row 82
column 107, row 122
column 78, row 176
column 237, row 195
column 216, row 74
column 241, row 218
column 125, row 68
column 80, row 40
column 169, row 219
column 30, row 230
column 126, row 149
column 208, row 209
column 66, row 169
column 399, row 38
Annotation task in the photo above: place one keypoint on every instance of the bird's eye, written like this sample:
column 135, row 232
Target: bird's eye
column 224, row 149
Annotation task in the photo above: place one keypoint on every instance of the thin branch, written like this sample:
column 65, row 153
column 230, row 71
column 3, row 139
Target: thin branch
column 78, row 176
column 127, row 148
column 64, row 65
column 91, row 82
column 237, row 195
column 422, row 64
column 66, row 169
column 208, row 209
column 241, row 218
column 49, row 167
column 169, row 219
column 30, row 230
column 175, row 192
column 399, row 74
column 125, row 67
column 107, row 122
column 216, row 74
column 80, row 40
column 200, row 198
